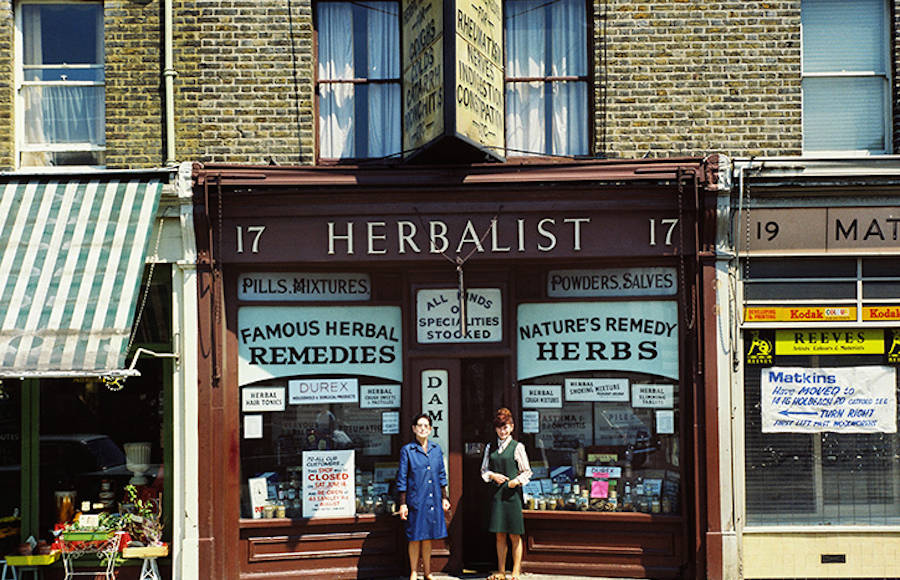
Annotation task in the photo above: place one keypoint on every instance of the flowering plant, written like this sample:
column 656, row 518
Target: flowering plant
column 143, row 521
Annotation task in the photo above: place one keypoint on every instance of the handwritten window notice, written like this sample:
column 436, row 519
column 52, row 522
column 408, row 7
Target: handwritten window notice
column 329, row 487
column 838, row 400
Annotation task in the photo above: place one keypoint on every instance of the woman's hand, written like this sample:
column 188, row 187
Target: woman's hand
column 499, row 478
column 512, row 483
column 404, row 511
column 446, row 504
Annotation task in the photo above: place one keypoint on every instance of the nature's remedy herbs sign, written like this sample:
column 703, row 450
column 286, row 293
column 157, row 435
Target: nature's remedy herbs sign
column 839, row 400
column 590, row 336
column 280, row 341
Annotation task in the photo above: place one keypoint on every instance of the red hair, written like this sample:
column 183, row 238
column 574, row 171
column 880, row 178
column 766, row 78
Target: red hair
column 502, row 417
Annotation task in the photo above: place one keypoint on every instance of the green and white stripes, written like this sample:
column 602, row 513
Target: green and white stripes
column 71, row 263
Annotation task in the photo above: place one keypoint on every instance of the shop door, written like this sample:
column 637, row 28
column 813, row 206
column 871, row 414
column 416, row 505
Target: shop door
column 461, row 395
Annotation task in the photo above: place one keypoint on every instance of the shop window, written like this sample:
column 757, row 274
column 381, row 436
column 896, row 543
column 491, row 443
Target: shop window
column 61, row 119
column 846, row 83
column 546, row 77
column 358, row 83
column 273, row 450
column 617, row 456
column 10, row 459
column 818, row 460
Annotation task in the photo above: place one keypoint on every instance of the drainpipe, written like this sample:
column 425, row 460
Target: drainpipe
column 168, row 75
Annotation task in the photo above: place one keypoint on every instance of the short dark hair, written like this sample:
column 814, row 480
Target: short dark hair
column 422, row 416
column 502, row 417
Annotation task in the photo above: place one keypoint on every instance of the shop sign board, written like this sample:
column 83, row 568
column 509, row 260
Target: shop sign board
column 329, row 485
column 435, row 389
column 598, row 390
column 379, row 396
column 653, row 396
column 542, row 396
column 423, row 72
column 838, row 400
column 257, row 399
column 479, row 91
column 831, row 230
column 303, row 286
column 876, row 313
column 438, row 314
column 322, row 391
column 567, row 337
column 283, row 341
column 612, row 282
column 829, row 341
column 800, row 314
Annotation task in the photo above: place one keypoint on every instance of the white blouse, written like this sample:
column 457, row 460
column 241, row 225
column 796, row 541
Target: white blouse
column 521, row 461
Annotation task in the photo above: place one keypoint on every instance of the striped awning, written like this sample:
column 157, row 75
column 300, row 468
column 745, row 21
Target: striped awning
column 72, row 259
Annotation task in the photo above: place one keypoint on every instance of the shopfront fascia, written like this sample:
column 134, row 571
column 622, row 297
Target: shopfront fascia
column 816, row 462
column 331, row 316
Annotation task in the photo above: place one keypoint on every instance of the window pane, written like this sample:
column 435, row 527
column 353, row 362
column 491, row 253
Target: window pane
column 635, row 447
column 843, row 36
column 62, row 33
column 63, row 114
column 278, row 454
column 526, row 126
column 568, row 38
column 335, row 39
column 799, row 291
column 799, row 268
column 878, row 267
column 570, row 129
column 384, row 111
column 336, row 138
column 383, row 39
column 526, row 36
column 63, row 74
column 844, row 114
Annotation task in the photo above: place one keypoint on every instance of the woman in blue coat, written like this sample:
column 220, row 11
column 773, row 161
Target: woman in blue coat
column 422, row 484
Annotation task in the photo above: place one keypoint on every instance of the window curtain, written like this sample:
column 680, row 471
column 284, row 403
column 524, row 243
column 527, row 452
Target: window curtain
column 59, row 114
column 338, row 101
column 546, row 39
column 383, row 57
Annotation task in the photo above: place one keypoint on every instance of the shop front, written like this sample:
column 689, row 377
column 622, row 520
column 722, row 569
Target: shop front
column 816, row 445
column 339, row 303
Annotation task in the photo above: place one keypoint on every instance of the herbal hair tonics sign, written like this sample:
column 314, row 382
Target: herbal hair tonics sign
column 566, row 337
column 281, row 341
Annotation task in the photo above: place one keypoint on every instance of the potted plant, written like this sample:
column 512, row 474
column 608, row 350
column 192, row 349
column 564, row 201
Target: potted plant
column 144, row 525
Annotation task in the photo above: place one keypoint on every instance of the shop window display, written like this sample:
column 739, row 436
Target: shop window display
column 620, row 454
column 275, row 450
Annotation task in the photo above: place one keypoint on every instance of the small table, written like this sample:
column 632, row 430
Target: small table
column 149, row 554
column 104, row 546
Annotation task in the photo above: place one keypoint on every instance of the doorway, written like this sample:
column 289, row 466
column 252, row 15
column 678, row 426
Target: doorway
column 482, row 391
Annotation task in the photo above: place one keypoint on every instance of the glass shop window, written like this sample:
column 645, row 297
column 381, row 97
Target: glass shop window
column 602, row 441
column 821, row 435
column 10, row 459
column 275, row 444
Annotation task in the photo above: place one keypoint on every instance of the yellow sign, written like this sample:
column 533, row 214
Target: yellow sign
column 479, row 72
column 806, row 341
column 423, row 72
column 759, row 350
column 893, row 354
column 800, row 314
column 881, row 313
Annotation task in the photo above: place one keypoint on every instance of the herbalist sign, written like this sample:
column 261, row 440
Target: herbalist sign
column 838, row 400
column 281, row 341
column 598, row 336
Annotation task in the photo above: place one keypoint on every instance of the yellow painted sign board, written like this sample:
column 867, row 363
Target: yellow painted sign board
column 423, row 72
column 800, row 314
column 874, row 313
column 806, row 341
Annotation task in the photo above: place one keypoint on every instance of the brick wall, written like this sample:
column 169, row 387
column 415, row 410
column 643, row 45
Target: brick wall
column 7, row 84
column 133, row 88
column 686, row 77
column 245, row 81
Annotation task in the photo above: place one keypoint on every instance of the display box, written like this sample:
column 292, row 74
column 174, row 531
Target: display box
column 33, row 560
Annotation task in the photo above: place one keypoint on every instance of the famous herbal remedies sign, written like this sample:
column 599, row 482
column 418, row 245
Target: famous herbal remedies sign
column 280, row 341
column 566, row 337
column 838, row 400
column 329, row 488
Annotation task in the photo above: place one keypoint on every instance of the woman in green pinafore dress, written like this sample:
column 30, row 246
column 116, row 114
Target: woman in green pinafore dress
column 505, row 466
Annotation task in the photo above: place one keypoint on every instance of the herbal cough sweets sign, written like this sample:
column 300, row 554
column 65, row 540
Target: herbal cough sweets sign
column 282, row 341
column 567, row 337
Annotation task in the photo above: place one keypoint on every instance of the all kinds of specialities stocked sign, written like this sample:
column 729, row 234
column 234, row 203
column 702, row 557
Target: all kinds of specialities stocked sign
column 282, row 341
column 566, row 337
column 840, row 400
column 439, row 313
